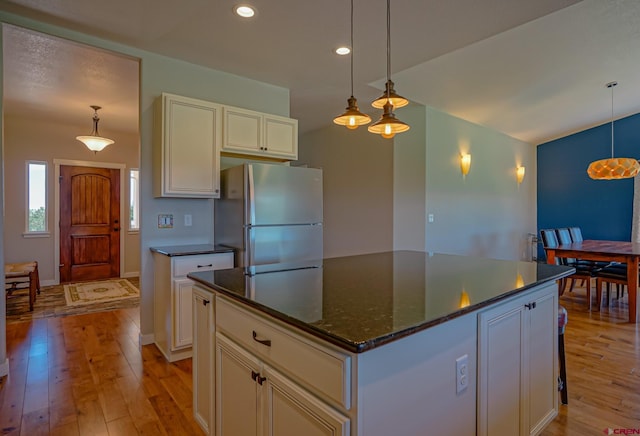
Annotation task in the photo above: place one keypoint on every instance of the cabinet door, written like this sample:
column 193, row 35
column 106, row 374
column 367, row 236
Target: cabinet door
column 281, row 136
column 543, row 370
column 182, row 313
column 292, row 411
column 501, row 363
column 242, row 131
column 238, row 393
column 203, row 359
column 187, row 157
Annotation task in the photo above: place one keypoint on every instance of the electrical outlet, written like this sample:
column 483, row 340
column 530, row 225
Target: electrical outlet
column 462, row 373
column 187, row 220
column 430, row 216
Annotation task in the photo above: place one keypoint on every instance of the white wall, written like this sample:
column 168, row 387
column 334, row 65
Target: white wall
column 358, row 188
column 487, row 213
column 161, row 74
column 38, row 139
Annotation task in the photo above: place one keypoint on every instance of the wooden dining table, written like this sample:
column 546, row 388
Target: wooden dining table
column 608, row 251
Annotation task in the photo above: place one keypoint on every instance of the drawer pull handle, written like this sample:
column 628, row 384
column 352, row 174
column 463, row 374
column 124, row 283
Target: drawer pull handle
column 266, row 342
column 205, row 266
column 205, row 302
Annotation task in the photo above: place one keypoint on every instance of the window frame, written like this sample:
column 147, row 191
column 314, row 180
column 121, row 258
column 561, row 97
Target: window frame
column 28, row 232
column 134, row 200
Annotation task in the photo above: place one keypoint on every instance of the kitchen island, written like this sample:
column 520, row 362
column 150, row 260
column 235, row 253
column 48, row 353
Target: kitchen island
column 402, row 343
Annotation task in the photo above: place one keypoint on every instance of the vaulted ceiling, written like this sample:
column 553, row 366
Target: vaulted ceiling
column 534, row 70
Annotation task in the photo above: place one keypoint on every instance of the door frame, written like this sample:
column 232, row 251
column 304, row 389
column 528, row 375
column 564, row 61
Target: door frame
column 56, row 230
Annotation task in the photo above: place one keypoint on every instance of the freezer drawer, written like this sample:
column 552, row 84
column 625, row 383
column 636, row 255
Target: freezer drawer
column 275, row 244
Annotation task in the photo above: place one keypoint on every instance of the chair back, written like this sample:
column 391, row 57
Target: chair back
column 549, row 238
column 564, row 237
column 576, row 234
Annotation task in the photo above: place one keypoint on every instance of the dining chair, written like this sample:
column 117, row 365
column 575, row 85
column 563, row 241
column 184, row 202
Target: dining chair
column 562, row 379
column 583, row 272
column 613, row 274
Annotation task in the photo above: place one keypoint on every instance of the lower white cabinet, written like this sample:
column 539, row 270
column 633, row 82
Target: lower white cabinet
column 173, row 320
column 204, row 358
column 517, row 365
column 255, row 399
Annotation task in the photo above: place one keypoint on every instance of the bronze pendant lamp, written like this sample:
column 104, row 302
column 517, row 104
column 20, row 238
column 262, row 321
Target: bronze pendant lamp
column 388, row 125
column 614, row 167
column 352, row 117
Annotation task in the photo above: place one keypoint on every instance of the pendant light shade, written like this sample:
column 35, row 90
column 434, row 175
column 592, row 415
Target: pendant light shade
column 94, row 141
column 390, row 94
column 388, row 125
column 613, row 168
column 352, row 117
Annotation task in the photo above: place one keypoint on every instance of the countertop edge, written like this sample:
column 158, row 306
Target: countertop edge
column 190, row 250
column 361, row 347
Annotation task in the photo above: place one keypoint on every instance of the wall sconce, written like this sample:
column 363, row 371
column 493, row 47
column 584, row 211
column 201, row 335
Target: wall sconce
column 465, row 163
column 464, row 300
column 519, row 174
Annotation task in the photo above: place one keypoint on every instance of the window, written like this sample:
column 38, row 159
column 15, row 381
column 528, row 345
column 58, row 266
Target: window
column 134, row 199
column 36, row 197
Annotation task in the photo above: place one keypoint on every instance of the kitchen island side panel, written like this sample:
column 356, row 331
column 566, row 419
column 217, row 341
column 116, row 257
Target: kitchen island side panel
column 408, row 387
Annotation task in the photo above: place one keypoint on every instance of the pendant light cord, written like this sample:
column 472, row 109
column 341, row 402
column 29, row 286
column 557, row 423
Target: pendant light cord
column 351, row 48
column 388, row 45
column 611, row 85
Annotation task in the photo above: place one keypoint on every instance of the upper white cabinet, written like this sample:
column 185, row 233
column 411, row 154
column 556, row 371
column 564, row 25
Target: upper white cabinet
column 258, row 134
column 187, row 147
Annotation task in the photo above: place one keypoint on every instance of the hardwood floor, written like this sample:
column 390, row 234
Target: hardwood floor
column 84, row 375
column 603, row 369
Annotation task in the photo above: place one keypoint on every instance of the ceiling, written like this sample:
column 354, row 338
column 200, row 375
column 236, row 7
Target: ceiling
column 534, row 70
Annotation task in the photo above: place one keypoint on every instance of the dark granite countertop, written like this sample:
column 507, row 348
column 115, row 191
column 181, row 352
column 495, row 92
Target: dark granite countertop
column 189, row 250
column 361, row 302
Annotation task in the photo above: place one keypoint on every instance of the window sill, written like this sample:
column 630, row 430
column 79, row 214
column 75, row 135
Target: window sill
column 36, row 235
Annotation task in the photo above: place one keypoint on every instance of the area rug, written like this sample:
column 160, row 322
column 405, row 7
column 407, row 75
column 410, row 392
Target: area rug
column 77, row 294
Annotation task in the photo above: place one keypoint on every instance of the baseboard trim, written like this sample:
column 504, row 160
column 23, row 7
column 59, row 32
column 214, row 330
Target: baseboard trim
column 147, row 339
column 130, row 275
column 4, row 368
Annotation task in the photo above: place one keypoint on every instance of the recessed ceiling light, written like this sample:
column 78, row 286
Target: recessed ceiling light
column 244, row 11
column 343, row 51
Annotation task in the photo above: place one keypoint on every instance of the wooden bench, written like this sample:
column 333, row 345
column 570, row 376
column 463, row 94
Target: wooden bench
column 22, row 276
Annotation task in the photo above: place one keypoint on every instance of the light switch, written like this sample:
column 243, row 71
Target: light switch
column 430, row 216
column 187, row 220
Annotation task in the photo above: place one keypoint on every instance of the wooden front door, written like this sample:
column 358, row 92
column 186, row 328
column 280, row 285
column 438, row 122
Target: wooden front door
column 89, row 223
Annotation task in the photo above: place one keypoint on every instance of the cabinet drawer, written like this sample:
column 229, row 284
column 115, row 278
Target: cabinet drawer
column 324, row 371
column 183, row 265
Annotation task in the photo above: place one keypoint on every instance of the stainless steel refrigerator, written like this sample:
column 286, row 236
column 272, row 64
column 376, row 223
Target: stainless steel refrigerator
column 270, row 213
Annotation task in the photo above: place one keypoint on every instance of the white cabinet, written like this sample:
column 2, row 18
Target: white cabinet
column 255, row 399
column 271, row 382
column 204, row 359
column 186, row 147
column 173, row 299
column 258, row 134
column 517, row 365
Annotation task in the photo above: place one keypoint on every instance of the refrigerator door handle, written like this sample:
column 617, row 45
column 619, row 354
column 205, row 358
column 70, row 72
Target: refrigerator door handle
column 251, row 210
column 251, row 246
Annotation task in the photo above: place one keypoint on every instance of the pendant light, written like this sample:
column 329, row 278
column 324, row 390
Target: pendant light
column 94, row 141
column 613, row 168
column 352, row 117
column 388, row 125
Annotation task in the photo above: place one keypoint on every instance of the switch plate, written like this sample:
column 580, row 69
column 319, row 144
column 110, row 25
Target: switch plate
column 187, row 220
column 430, row 216
column 462, row 373
column 165, row 221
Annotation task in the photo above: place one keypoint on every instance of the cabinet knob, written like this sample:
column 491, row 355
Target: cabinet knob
column 530, row 305
column 205, row 302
